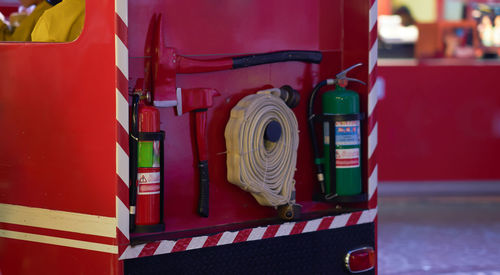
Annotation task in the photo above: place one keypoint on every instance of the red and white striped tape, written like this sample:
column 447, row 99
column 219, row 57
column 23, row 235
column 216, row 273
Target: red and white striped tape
column 372, row 103
column 122, row 150
column 251, row 234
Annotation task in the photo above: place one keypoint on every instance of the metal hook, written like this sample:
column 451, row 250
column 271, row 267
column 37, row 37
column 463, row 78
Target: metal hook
column 355, row 80
column 343, row 75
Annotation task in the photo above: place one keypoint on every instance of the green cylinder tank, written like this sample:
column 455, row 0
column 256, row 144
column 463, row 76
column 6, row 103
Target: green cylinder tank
column 347, row 143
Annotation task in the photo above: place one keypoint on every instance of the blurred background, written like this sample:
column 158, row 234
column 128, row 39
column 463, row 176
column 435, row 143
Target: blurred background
column 439, row 130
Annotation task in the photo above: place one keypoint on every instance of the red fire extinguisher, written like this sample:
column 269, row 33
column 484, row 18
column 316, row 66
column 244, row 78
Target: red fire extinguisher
column 146, row 150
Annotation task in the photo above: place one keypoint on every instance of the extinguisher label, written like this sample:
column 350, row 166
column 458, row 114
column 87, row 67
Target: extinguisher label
column 347, row 133
column 347, row 158
column 148, row 183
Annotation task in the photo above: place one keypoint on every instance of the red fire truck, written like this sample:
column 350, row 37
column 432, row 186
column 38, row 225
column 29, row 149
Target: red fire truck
column 115, row 159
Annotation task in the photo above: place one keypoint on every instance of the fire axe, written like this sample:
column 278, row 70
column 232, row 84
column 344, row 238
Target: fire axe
column 160, row 78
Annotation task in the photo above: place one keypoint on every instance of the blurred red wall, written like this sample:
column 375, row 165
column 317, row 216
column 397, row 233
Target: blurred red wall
column 439, row 123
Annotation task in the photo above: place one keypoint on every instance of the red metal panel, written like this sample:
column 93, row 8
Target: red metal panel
column 37, row 258
column 250, row 234
column 59, row 111
column 439, row 123
column 236, row 27
column 356, row 47
column 58, row 120
column 57, row 149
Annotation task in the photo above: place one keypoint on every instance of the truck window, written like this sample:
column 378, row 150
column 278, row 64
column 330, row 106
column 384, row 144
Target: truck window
column 41, row 20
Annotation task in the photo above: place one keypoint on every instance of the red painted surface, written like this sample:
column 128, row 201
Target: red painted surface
column 196, row 99
column 148, row 197
column 148, row 118
column 7, row 10
column 58, row 103
column 187, row 65
column 58, row 109
column 51, row 259
column 439, row 123
column 196, row 28
column 58, row 143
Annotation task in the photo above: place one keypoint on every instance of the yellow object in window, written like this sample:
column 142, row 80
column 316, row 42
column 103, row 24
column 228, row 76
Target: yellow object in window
column 23, row 31
column 62, row 23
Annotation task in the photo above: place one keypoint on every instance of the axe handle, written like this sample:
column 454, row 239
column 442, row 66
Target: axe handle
column 201, row 143
column 203, row 202
column 187, row 65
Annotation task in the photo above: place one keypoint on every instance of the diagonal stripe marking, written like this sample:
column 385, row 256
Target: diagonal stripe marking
column 122, row 110
column 367, row 216
column 149, row 249
column 372, row 98
column 58, row 220
column 227, row 238
column 212, row 240
column 340, row 221
column 121, row 57
column 256, row 234
column 122, row 213
column 132, row 251
column 122, row 84
column 298, row 228
column 325, row 223
column 122, row 166
column 372, row 182
column 270, row 231
column 121, row 8
column 181, row 244
column 373, row 56
column 353, row 218
column 285, row 229
column 165, row 247
column 242, row 235
column 197, row 242
column 373, row 15
column 372, row 140
column 113, row 249
column 311, row 226
column 121, row 30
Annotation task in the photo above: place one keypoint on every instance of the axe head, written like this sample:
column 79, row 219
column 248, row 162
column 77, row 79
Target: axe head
column 160, row 68
column 194, row 99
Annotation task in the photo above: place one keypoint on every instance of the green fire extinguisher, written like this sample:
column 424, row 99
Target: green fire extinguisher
column 339, row 169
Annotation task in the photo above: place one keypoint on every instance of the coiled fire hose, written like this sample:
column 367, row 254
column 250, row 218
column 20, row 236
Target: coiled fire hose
column 262, row 140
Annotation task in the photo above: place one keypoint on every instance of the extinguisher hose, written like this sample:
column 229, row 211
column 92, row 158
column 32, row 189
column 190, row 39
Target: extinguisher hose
column 133, row 144
column 314, row 140
column 274, row 57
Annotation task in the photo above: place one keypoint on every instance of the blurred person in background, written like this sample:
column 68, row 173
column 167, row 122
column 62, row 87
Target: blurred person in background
column 406, row 17
column 496, row 32
column 486, row 31
column 62, row 23
column 397, row 34
column 21, row 24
